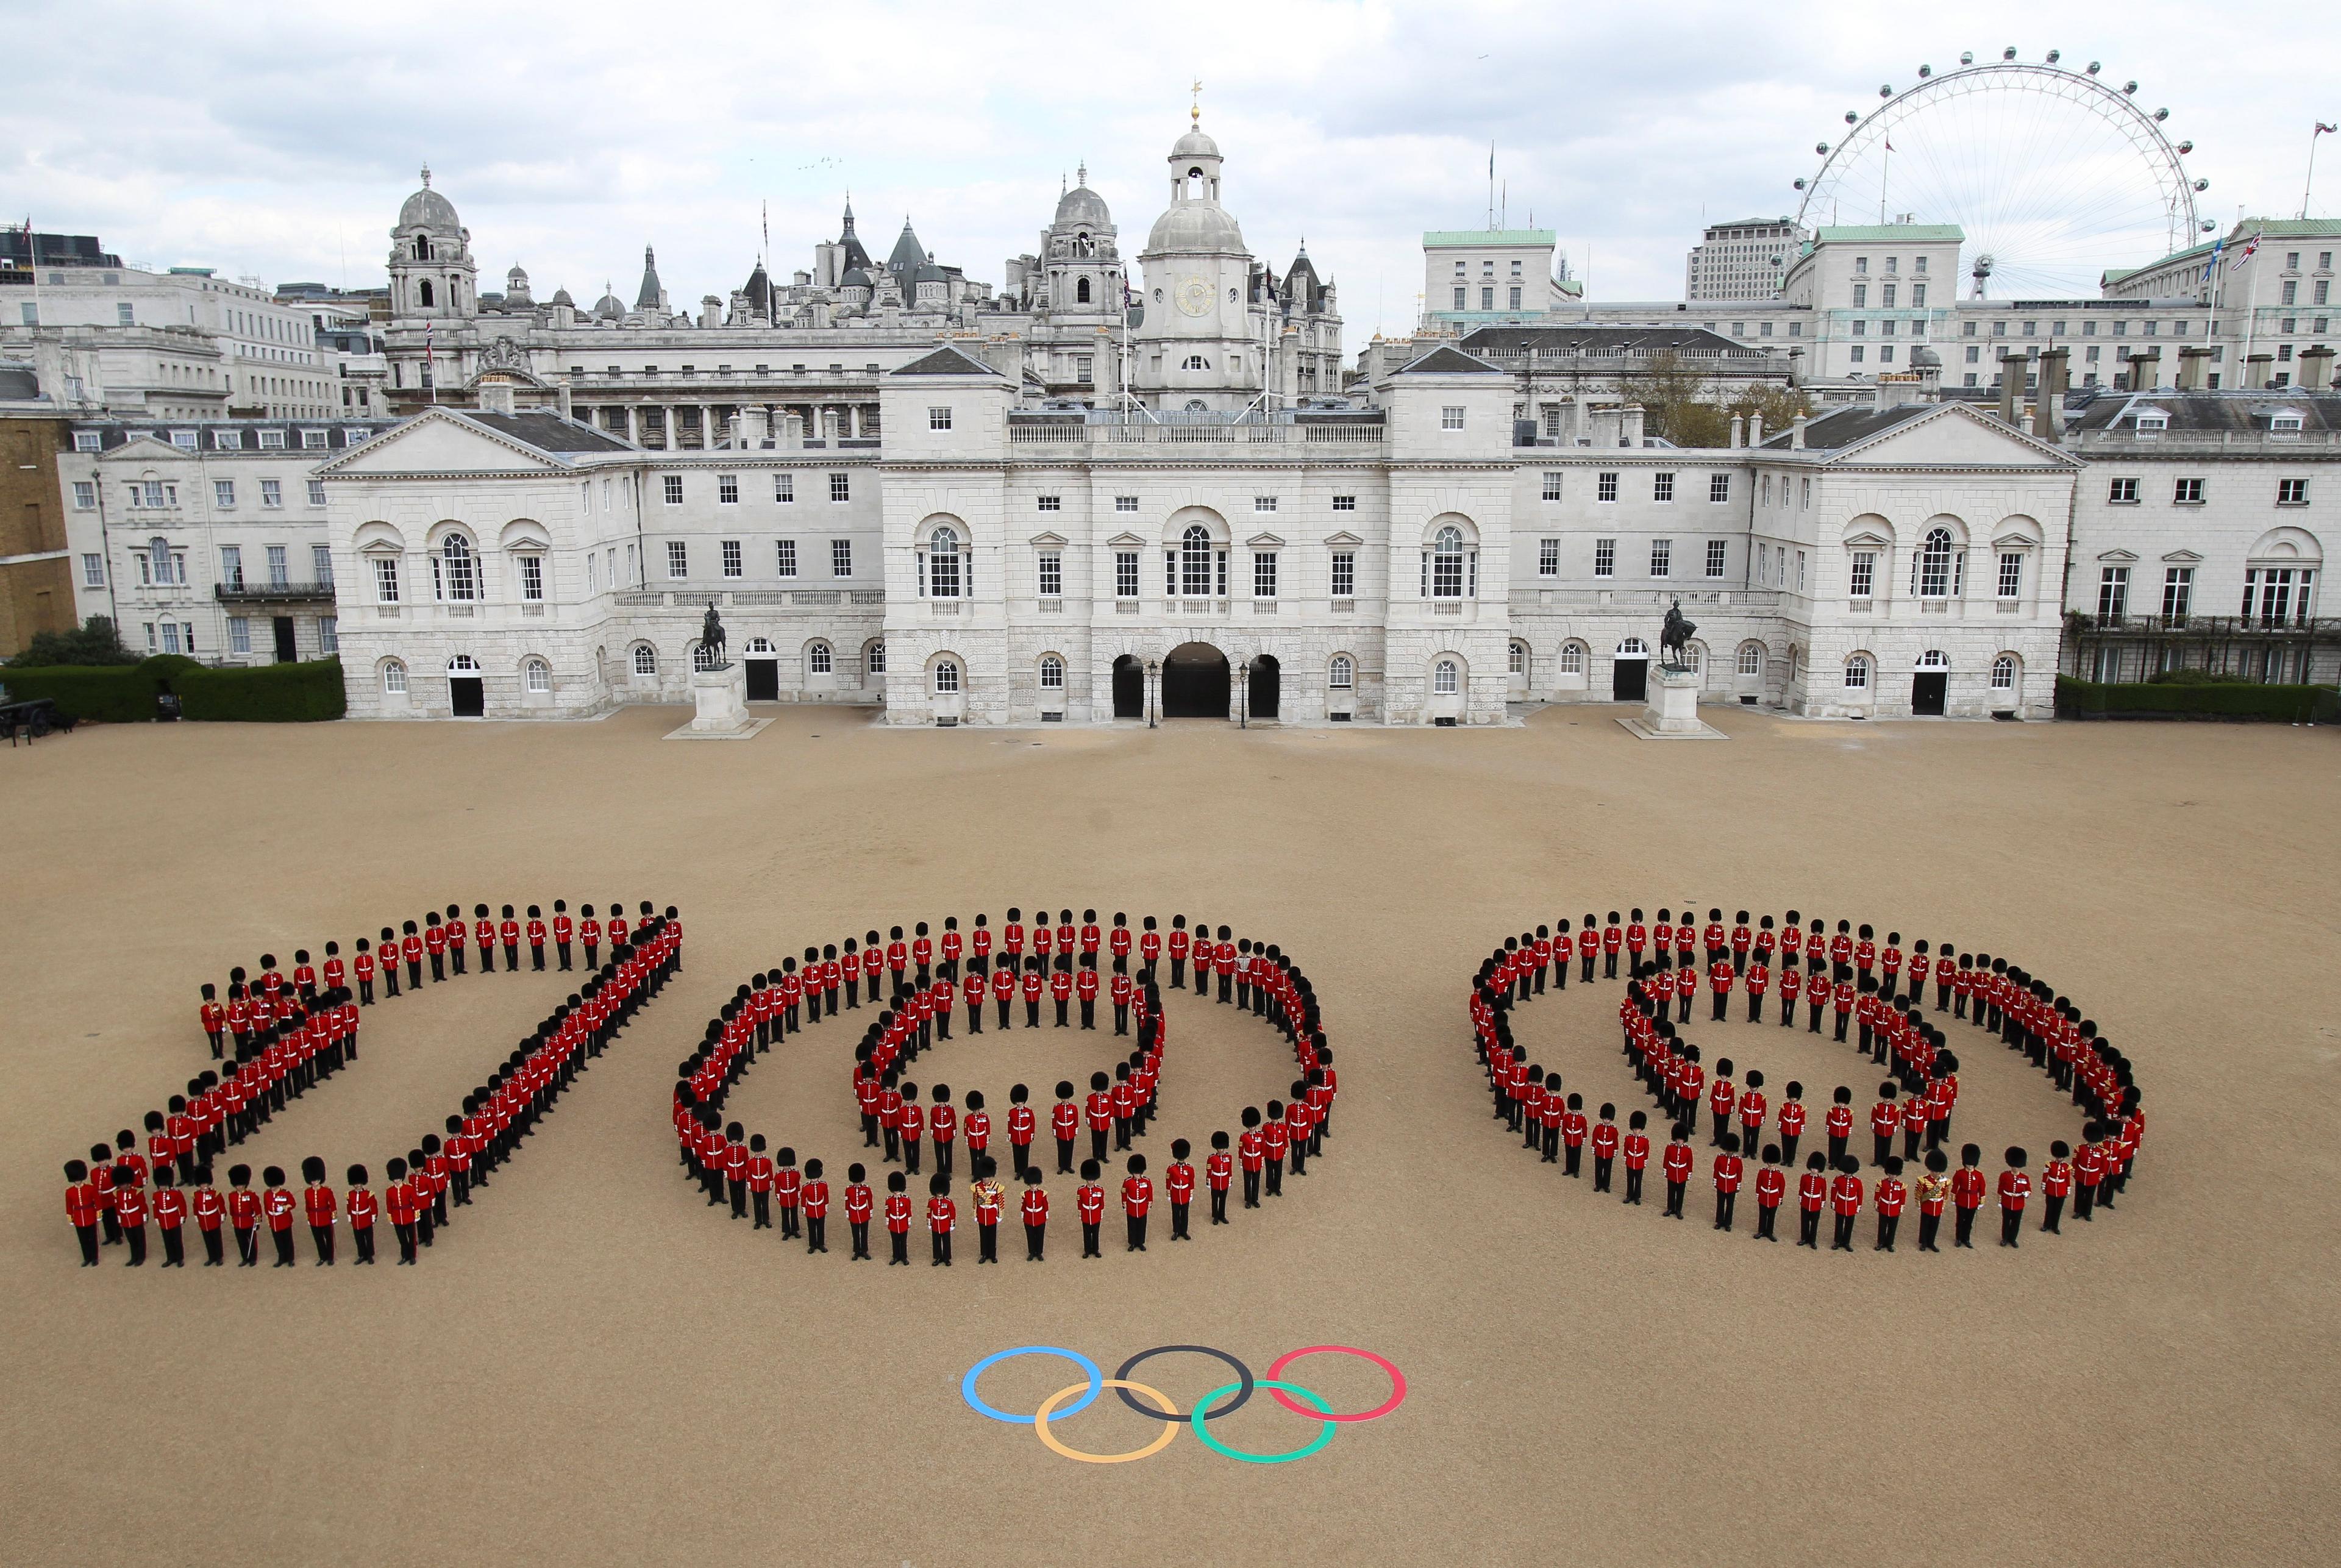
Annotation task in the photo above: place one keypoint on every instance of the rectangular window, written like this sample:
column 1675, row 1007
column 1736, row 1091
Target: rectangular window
column 1605, row 487
column 2292, row 491
column 784, row 488
column 785, row 557
column 320, row 563
column 1856, row 351
column 1345, row 574
column 278, row 575
column 2277, row 596
column 224, row 494
column 939, row 418
column 674, row 489
column 2186, row 493
column 1461, row 296
column 1549, row 558
column 1551, row 485
column 1862, row 581
column 1605, row 557
column 840, row 558
column 231, row 566
column 1341, row 503
column 1264, row 502
column 1718, row 551
column 1050, row 503
column 1662, row 487
column 1662, row 555
column 732, row 562
column 841, row 488
column 2113, row 594
column 2011, row 574
column 316, row 492
column 1052, row 573
column 93, row 571
column 1800, row 571
column 727, row 490
column 272, row 440
column 1861, row 296
column 1085, row 372
column 532, row 579
column 1263, row 575
column 1486, row 299
column 1125, row 503
column 2122, row 492
column 2177, row 595
column 1718, row 487
column 169, row 636
column 85, row 494
column 239, row 635
column 272, row 493
column 1515, row 304
column 1450, row 417
column 1125, row 574
column 386, row 579
column 678, row 558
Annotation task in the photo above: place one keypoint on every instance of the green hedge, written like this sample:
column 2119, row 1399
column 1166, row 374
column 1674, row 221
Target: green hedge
column 2226, row 700
column 265, row 693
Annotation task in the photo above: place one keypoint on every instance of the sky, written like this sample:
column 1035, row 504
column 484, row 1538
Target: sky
column 278, row 141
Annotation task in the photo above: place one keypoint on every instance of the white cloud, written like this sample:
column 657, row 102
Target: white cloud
column 279, row 141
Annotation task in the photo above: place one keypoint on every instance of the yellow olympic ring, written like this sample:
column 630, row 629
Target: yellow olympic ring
column 1162, row 1402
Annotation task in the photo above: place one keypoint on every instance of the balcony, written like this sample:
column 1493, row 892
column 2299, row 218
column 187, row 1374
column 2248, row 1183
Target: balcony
column 1221, row 436
column 2205, row 628
column 308, row 591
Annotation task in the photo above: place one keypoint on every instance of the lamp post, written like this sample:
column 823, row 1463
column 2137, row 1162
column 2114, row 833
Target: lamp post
column 1154, row 678
column 1243, row 674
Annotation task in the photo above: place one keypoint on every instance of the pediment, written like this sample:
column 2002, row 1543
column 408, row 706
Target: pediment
column 2118, row 557
column 1870, row 538
column 146, row 447
column 1126, row 540
column 1954, row 436
column 434, row 441
column 1344, row 538
column 1265, row 542
column 1048, row 539
column 2183, row 558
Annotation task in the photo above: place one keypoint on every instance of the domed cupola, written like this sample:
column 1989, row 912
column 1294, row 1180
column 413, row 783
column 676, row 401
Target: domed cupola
column 1195, row 221
column 431, row 270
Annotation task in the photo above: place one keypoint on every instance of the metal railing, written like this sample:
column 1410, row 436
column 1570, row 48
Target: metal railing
column 2205, row 628
column 290, row 592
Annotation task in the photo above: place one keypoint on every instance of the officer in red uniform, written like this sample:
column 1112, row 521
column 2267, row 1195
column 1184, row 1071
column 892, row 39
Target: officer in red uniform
column 536, row 933
column 321, row 1204
column 1097, row 1113
column 1889, row 1198
column 898, row 1218
column 2056, row 1184
column 1137, row 1197
column 1605, row 1139
column 1845, row 1197
column 1219, row 1173
column 1636, row 1147
column 1275, row 1143
column 1771, row 1187
column 82, row 1207
column 1676, row 1166
column 814, row 1196
column 858, row 1206
column 1884, row 1117
column 759, row 1183
column 912, row 1125
column 215, row 1021
column 409, row 950
column 2014, row 1187
column 205, row 1203
column 942, row 1127
column 1035, row 1207
column 1729, row 1171
column 1089, row 1200
column 1252, row 1151
column 276, row 1207
column 1838, row 1121
column 1003, row 989
column 434, row 944
column 564, row 932
column 399, row 1201
column 1967, row 1188
column 363, row 967
column 788, row 1189
column 1812, row 1195
column 971, row 989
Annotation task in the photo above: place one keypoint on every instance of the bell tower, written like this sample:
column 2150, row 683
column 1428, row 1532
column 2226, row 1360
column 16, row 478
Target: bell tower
column 1194, row 347
column 432, row 274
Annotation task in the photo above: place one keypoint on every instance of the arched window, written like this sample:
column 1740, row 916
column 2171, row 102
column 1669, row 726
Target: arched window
column 760, row 648
column 1633, row 648
column 817, row 659
column 1572, row 658
column 874, row 658
column 946, row 677
column 702, row 655
column 1934, row 659
column 455, row 571
column 1195, row 562
column 1751, row 658
column 2003, row 673
column 1343, row 674
column 538, row 674
column 393, row 678
column 1052, row 673
column 1196, row 362
column 943, row 563
column 1445, row 676
column 462, row 664
column 422, row 253
column 1930, row 574
column 646, row 659
column 423, row 290
column 1081, row 292
column 1449, row 570
column 1857, row 673
column 1695, row 658
column 1517, row 662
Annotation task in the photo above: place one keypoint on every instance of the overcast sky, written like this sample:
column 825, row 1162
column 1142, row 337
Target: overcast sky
column 279, row 141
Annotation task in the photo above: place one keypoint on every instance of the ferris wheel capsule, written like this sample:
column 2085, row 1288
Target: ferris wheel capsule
column 2095, row 67
column 2008, row 52
column 2186, row 147
column 2055, row 55
column 1800, row 185
column 2128, row 87
column 1925, row 71
column 1967, row 56
column 2206, row 225
column 1822, row 148
column 1887, row 92
column 2202, row 185
column 2161, row 115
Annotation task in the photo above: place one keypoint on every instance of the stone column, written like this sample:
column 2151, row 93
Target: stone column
column 633, row 424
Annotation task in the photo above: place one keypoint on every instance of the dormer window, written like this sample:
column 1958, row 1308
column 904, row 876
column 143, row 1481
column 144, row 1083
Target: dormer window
column 2284, row 424
column 2151, row 425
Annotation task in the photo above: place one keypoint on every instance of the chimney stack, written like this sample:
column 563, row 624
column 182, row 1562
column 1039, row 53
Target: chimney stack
column 2192, row 362
column 2144, row 369
column 2011, row 387
column 1738, row 430
column 2255, row 371
column 1796, row 433
column 2317, row 368
column 1630, row 433
column 1756, row 430
column 2048, row 401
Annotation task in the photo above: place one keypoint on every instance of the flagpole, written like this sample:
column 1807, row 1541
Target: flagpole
column 2311, row 179
column 2252, row 309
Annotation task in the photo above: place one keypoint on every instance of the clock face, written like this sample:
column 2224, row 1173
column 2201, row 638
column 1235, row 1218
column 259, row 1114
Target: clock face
column 1194, row 295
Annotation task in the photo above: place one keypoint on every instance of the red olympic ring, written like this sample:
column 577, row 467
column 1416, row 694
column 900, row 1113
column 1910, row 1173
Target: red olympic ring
column 1397, row 1381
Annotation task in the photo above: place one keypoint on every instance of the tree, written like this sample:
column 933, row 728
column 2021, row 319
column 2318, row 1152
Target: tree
column 95, row 643
column 1682, row 403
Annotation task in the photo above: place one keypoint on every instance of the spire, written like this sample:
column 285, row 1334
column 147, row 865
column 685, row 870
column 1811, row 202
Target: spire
column 650, row 296
column 1082, row 176
column 426, row 176
column 1195, row 112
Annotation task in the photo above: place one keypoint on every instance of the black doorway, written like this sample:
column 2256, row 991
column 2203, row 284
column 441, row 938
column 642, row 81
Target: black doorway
column 467, row 696
column 288, row 650
column 763, row 680
column 1267, row 683
column 1128, row 688
column 1195, row 682
column 1928, row 689
column 1629, row 678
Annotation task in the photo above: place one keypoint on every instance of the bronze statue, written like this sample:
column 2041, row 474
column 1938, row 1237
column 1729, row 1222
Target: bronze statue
column 710, row 634
column 1677, row 634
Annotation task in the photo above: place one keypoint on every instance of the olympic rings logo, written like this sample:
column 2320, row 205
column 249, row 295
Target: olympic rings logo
column 1162, row 1409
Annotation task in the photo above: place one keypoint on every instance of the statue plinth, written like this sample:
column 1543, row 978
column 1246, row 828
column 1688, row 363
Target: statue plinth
column 1671, row 709
column 722, row 697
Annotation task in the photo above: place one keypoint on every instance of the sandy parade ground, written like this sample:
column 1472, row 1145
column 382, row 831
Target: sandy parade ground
column 592, row 1366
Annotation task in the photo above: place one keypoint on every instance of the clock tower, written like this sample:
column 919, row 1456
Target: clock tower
column 1195, row 348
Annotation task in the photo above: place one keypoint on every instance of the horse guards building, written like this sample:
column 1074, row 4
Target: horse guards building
column 1117, row 492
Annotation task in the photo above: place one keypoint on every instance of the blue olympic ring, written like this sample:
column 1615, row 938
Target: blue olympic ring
column 1088, row 1369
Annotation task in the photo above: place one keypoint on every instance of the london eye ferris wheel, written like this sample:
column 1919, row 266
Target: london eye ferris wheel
column 2054, row 174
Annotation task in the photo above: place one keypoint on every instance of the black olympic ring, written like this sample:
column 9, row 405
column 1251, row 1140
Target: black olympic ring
column 1241, row 1370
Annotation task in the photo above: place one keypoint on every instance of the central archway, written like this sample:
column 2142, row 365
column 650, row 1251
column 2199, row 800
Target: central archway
column 1267, row 685
column 1128, row 688
column 1195, row 682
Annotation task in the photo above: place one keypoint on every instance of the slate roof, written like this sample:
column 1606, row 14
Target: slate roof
column 1446, row 361
column 548, row 432
column 946, row 360
column 1843, row 427
column 2244, row 412
column 1591, row 338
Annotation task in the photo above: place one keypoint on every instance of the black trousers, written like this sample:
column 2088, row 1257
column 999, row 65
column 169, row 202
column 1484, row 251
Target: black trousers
column 789, row 1212
column 536, row 957
column 764, row 1211
column 438, row 968
column 1004, row 1004
column 2052, row 1210
column 1675, row 1191
column 1090, row 1238
column 564, row 948
column 1963, row 1231
column 175, row 1249
column 901, row 1241
column 1788, row 1011
column 1137, row 1232
column 1036, row 1239
column 943, row 1147
column 1724, row 1204
column 1634, row 1185
column 1881, row 1147
column 362, row 1236
column 816, row 1233
column 1219, row 1206
column 1064, row 1156
column 975, row 1019
column 283, row 1240
column 1766, row 1218
column 215, row 1248
column 1252, row 1189
column 406, row 1241
column 415, row 976
column 1808, row 1228
column 1601, row 1165
column 1032, row 1015
column 860, row 1229
column 1843, row 1241
column 1275, row 1170
column 1178, row 974
column 1886, row 1225
column 2011, row 1226
column 739, row 1190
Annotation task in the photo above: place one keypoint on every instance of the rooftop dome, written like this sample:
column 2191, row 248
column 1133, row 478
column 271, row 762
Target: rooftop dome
column 1197, row 225
column 855, row 277
column 561, row 296
column 608, row 306
column 426, row 209
column 1195, row 144
column 1082, row 207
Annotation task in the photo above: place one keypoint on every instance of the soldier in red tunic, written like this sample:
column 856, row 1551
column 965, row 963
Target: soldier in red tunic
column 362, row 1207
column 2056, row 1184
column 1676, row 1166
column 912, row 1125
column 276, row 1207
column 1219, row 1173
column 1605, row 1147
column 1137, row 1197
column 1890, row 1197
column 788, row 1189
column 321, row 1204
column 82, row 1209
column 759, row 1183
column 858, row 1207
column 898, row 1218
column 1729, row 1171
column 208, row 1208
column 2014, row 1187
column 536, row 933
column 564, row 932
column 1035, row 1206
column 1252, row 1151
column 1636, row 1147
column 1003, row 989
column 1812, row 1193
column 942, row 1127
column 1845, row 1197
column 1838, row 1121
column 1089, row 1198
column 399, row 1201
column 243, row 1216
column 363, row 967
column 1967, row 1188
column 1884, row 1117
column 1771, row 1187
column 1275, row 1142
column 215, row 1021
column 814, row 1196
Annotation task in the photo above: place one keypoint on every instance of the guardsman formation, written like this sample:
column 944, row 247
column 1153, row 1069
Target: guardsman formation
column 1016, row 974
column 278, row 1036
column 1873, row 998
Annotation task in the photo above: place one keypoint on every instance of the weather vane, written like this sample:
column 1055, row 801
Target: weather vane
column 1195, row 112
